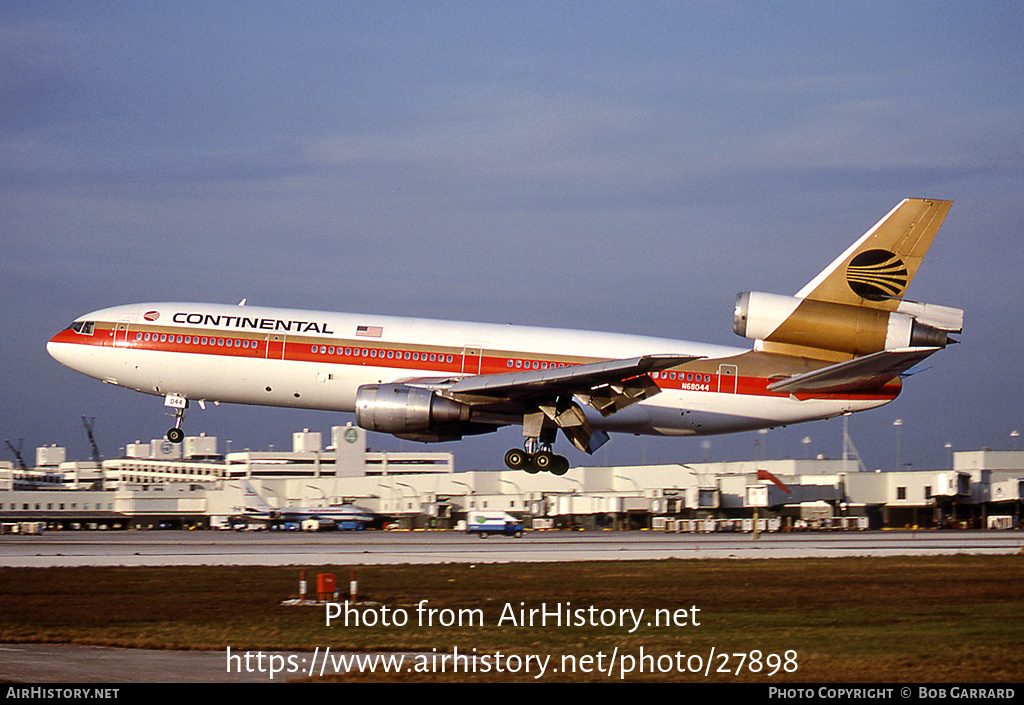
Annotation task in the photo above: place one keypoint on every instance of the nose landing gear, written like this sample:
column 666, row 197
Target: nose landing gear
column 179, row 404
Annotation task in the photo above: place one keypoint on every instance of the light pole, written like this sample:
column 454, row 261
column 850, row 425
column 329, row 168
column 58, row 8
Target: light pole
column 322, row 493
column 398, row 500
column 639, row 493
column 470, row 494
column 572, row 519
column 519, row 492
column 412, row 519
column 898, row 423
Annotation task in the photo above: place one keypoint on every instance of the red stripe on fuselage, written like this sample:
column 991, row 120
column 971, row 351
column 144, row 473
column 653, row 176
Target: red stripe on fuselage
column 448, row 360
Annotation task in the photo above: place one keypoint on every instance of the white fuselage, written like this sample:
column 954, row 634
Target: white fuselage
column 317, row 360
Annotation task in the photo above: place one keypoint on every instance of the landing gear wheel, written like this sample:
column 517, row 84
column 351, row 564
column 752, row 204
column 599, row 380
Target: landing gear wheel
column 544, row 460
column 175, row 435
column 516, row 459
column 560, row 466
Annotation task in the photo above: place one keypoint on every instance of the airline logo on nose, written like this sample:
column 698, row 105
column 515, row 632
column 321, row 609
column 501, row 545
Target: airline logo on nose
column 877, row 275
column 151, row 315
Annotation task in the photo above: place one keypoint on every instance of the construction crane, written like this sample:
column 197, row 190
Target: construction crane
column 88, row 423
column 17, row 452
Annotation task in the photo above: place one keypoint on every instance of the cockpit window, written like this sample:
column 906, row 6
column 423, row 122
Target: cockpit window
column 83, row 327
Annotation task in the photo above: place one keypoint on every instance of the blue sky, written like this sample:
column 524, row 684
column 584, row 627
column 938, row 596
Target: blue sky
column 607, row 165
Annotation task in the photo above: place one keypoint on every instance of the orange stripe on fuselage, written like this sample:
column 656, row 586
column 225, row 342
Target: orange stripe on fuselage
column 448, row 359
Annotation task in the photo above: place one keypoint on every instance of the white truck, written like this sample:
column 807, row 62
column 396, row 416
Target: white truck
column 487, row 523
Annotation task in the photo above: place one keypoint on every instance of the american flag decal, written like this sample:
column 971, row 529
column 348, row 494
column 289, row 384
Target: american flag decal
column 369, row 331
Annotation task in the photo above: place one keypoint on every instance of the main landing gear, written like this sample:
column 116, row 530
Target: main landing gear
column 531, row 461
column 540, row 428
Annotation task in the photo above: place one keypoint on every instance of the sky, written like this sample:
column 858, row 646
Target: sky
column 614, row 166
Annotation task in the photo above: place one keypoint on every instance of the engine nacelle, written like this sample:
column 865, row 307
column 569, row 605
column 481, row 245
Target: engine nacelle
column 411, row 412
column 858, row 330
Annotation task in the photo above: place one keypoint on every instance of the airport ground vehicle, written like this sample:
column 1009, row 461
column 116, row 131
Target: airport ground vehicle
column 486, row 523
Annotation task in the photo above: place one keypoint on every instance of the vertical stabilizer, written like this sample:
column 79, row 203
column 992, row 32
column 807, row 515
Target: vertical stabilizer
column 253, row 501
column 855, row 306
column 876, row 270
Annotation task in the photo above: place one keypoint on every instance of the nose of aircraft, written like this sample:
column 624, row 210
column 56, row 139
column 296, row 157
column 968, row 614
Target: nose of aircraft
column 53, row 348
column 58, row 346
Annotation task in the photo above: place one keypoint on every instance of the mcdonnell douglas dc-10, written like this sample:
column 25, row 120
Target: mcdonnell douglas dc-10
column 840, row 345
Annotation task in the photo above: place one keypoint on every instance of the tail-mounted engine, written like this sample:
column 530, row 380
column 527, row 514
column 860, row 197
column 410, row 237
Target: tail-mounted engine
column 413, row 413
column 858, row 330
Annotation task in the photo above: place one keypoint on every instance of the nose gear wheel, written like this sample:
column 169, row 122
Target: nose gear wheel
column 175, row 434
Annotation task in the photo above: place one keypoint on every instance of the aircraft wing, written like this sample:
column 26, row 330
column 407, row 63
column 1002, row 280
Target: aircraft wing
column 867, row 372
column 547, row 396
column 620, row 382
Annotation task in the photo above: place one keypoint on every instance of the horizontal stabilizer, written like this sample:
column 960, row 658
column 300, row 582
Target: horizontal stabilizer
column 868, row 372
column 944, row 318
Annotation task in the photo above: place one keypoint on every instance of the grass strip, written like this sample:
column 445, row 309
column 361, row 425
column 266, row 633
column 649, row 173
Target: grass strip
column 906, row 619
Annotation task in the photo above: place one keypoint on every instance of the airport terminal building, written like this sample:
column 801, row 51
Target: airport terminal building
column 161, row 485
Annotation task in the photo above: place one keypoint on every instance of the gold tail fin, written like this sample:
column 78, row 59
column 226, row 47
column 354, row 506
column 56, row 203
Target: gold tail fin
column 855, row 306
column 877, row 269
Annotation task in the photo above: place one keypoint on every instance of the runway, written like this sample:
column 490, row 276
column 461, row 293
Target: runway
column 165, row 548
column 78, row 663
